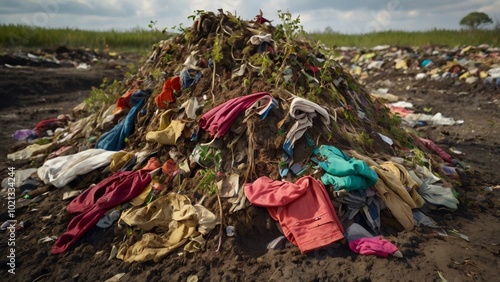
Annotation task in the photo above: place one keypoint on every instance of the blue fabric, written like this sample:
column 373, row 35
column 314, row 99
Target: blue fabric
column 188, row 79
column 114, row 140
column 343, row 172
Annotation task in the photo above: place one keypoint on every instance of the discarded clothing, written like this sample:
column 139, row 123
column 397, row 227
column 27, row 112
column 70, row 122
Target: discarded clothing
column 363, row 202
column 173, row 214
column 389, row 188
column 25, row 135
column 108, row 219
column 63, row 151
column 430, row 145
column 265, row 43
column 170, row 129
column 303, row 111
column 121, row 161
column 50, row 124
column 123, row 102
column 438, row 195
column 171, row 86
column 373, row 246
column 431, row 191
column 409, row 184
column 190, row 107
column 303, row 210
column 218, row 120
column 189, row 77
column 62, row 170
column 344, row 172
column 364, row 243
column 29, row 151
column 114, row 140
column 94, row 202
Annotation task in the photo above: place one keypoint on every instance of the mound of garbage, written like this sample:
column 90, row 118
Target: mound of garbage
column 234, row 129
column 60, row 57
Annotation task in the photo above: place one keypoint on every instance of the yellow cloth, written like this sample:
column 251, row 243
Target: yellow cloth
column 388, row 187
column 414, row 200
column 393, row 178
column 139, row 200
column 29, row 151
column 401, row 64
column 170, row 130
column 119, row 159
column 173, row 213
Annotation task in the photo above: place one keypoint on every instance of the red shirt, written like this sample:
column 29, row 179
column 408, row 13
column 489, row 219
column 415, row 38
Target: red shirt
column 303, row 209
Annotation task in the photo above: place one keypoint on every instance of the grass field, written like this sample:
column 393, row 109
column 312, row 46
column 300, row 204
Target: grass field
column 13, row 36
column 416, row 38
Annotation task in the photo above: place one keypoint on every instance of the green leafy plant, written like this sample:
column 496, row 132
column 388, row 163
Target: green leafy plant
column 217, row 50
column 289, row 28
column 196, row 14
column 106, row 94
column 208, row 181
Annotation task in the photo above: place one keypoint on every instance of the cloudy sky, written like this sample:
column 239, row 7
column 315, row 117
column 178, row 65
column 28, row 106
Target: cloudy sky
column 351, row 16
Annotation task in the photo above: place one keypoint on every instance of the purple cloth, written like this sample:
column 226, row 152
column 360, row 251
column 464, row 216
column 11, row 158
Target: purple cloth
column 24, row 134
column 218, row 120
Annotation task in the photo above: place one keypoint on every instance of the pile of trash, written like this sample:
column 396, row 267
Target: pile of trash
column 235, row 115
column 470, row 64
column 61, row 57
column 462, row 70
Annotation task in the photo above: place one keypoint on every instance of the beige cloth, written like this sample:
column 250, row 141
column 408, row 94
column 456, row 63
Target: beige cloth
column 170, row 130
column 391, row 187
column 410, row 186
column 386, row 188
column 29, row 151
column 173, row 213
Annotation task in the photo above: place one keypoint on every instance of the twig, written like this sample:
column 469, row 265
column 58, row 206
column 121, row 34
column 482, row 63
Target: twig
column 220, row 228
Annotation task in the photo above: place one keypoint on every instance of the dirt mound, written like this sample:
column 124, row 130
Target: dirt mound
column 230, row 102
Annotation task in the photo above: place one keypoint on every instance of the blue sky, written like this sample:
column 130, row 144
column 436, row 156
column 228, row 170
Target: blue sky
column 352, row 16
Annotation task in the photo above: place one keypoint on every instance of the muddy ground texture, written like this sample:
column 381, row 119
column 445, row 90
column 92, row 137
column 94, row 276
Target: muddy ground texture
column 32, row 93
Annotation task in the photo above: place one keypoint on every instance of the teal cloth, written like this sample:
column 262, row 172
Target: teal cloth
column 344, row 172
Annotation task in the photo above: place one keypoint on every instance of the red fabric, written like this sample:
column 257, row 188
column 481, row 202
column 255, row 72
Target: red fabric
column 218, row 120
column 123, row 101
column 373, row 246
column 92, row 204
column 303, row 209
column 167, row 94
column 46, row 124
column 430, row 145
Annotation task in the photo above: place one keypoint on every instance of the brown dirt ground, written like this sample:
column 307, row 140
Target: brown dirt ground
column 31, row 94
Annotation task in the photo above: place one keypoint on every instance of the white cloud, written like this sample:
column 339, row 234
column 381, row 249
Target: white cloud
column 351, row 16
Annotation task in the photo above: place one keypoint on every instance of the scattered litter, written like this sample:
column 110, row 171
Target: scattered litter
column 71, row 194
column 115, row 278
column 230, row 231
column 192, row 278
column 47, row 239
column 453, row 231
column 114, row 251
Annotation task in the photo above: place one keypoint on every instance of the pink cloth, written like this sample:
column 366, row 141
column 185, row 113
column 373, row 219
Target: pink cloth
column 303, row 209
column 92, row 204
column 403, row 112
column 218, row 120
column 373, row 246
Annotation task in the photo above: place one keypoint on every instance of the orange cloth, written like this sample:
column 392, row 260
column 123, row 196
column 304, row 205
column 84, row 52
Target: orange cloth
column 123, row 102
column 167, row 94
